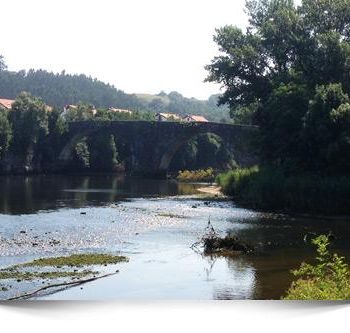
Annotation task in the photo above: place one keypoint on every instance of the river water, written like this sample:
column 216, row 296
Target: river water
column 154, row 223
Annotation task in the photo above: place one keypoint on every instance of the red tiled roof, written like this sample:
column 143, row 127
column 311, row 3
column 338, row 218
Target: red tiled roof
column 6, row 103
column 197, row 118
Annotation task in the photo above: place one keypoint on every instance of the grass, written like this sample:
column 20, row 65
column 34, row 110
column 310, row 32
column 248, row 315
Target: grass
column 327, row 279
column 272, row 189
column 202, row 175
column 18, row 273
column 77, row 260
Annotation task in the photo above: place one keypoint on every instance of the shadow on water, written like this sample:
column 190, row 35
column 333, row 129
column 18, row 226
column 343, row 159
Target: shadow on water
column 30, row 194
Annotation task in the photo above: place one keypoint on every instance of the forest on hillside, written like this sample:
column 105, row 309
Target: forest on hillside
column 59, row 89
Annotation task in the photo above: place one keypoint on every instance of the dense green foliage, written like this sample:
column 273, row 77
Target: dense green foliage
column 2, row 63
column 289, row 74
column 29, row 120
column 5, row 132
column 81, row 155
column 203, row 151
column 269, row 188
column 63, row 89
column 327, row 279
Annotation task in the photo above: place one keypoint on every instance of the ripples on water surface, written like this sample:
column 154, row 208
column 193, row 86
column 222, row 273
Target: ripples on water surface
column 154, row 223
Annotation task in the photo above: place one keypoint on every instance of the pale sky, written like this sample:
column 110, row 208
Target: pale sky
column 138, row 46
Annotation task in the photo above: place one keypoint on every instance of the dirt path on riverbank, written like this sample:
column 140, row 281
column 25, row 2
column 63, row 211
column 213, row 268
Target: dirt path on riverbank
column 212, row 190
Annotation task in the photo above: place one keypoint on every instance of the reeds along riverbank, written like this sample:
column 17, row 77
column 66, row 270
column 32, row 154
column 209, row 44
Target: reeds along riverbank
column 273, row 189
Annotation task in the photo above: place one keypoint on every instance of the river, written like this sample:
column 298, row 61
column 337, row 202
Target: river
column 154, row 223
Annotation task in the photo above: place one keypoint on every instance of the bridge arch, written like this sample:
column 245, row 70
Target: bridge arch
column 169, row 155
column 154, row 144
column 66, row 154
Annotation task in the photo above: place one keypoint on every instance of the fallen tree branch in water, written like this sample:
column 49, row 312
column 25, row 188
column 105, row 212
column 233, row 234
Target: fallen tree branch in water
column 77, row 283
column 225, row 246
column 212, row 243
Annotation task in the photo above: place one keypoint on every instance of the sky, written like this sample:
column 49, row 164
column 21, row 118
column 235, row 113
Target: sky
column 138, row 46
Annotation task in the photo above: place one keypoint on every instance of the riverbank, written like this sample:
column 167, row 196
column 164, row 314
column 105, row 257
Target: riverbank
column 272, row 189
column 213, row 190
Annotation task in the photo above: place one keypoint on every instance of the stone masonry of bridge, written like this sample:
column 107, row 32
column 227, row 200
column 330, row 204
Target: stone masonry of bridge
column 152, row 145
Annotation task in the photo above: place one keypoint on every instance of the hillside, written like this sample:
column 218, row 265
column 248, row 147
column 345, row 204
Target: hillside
column 59, row 89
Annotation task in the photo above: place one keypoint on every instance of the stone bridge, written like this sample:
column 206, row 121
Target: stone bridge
column 152, row 145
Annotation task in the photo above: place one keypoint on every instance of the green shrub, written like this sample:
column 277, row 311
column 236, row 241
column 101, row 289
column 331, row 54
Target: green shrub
column 273, row 189
column 232, row 180
column 328, row 279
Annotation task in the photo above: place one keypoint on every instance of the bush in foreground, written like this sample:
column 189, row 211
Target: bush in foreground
column 328, row 279
column 273, row 189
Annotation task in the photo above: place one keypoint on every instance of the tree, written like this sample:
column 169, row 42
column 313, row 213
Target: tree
column 5, row 132
column 81, row 155
column 2, row 64
column 273, row 70
column 324, row 15
column 327, row 128
column 29, row 120
column 283, row 124
column 157, row 105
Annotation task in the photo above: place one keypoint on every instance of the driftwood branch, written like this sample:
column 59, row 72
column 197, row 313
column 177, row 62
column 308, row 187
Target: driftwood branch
column 209, row 232
column 212, row 243
column 64, row 284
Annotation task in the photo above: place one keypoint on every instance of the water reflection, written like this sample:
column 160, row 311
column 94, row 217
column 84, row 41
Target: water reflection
column 282, row 243
column 268, row 231
column 240, row 278
column 29, row 194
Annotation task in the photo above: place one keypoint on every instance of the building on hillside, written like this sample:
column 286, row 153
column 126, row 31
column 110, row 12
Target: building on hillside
column 70, row 107
column 167, row 117
column 6, row 103
column 194, row 118
column 66, row 109
column 120, row 110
